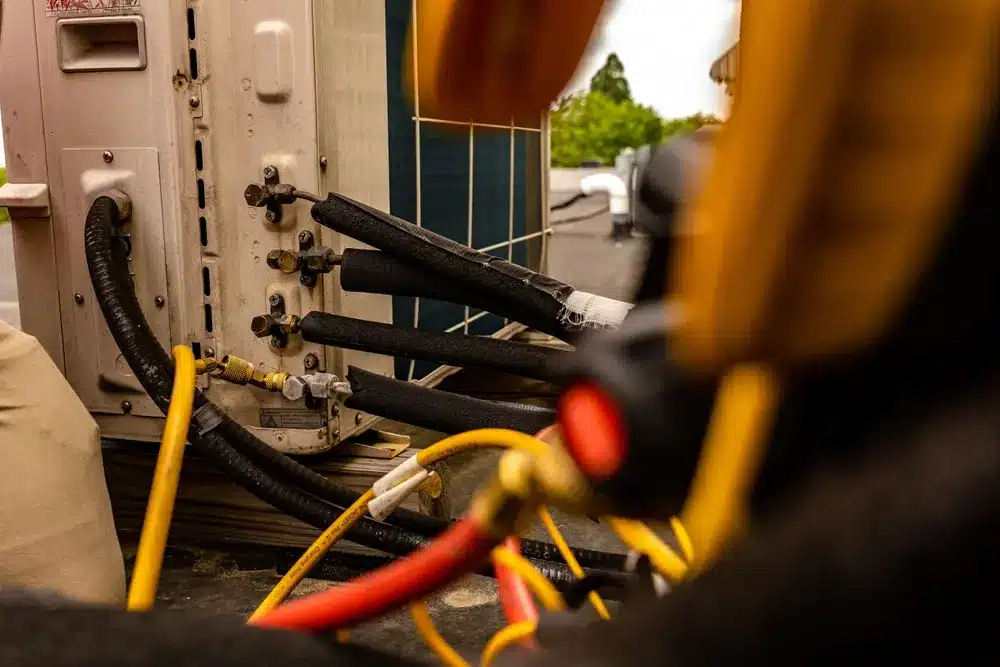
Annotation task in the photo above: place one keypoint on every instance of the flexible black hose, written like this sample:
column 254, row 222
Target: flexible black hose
column 566, row 203
column 439, row 410
column 149, row 361
column 377, row 272
column 531, row 361
column 527, row 297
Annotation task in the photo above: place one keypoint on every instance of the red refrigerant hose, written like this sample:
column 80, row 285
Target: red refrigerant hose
column 515, row 598
column 456, row 552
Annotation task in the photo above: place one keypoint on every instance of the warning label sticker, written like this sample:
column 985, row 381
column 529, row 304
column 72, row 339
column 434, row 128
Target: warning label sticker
column 64, row 8
column 291, row 418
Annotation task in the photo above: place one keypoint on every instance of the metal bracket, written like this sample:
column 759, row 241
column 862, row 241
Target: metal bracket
column 276, row 304
column 306, row 243
column 272, row 178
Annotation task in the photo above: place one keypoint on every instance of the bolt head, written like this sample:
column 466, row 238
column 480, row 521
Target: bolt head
column 194, row 101
column 357, row 418
column 109, row 157
column 270, row 171
column 255, row 194
column 323, row 162
column 160, row 302
column 273, row 259
column 126, row 407
column 310, row 361
column 78, row 297
column 274, row 299
column 271, row 216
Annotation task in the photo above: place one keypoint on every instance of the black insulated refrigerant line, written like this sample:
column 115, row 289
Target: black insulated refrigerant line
column 107, row 264
column 526, row 297
column 439, row 410
column 530, row 361
column 377, row 272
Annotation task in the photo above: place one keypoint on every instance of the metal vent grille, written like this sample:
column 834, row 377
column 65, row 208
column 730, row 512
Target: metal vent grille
column 480, row 184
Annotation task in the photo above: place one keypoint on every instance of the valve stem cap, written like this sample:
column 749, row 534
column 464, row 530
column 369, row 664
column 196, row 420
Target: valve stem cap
column 287, row 261
column 256, row 194
column 261, row 325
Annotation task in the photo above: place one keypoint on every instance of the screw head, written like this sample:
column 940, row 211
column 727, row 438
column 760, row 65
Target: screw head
column 310, row 361
column 305, row 237
column 78, row 297
column 270, row 171
column 274, row 299
column 209, row 351
column 126, row 407
column 323, row 162
column 194, row 101
column 109, row 157
column 270, row 216
column 160, row 302
column 357, row 418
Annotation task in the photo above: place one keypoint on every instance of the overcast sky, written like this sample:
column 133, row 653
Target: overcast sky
column 667, row 47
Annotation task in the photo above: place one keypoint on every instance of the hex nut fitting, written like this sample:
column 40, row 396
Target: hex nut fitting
column 294, row 388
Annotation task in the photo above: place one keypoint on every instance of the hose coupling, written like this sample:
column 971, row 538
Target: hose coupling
column 206, row 365
column 317, row 385
column 240, row 371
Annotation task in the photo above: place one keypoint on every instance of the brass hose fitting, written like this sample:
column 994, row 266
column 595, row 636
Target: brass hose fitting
column 235, row 370
column 240, row 371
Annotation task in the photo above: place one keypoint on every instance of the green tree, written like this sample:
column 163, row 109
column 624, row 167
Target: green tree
column 590, row 126
column 610, row 80
column 688, row 124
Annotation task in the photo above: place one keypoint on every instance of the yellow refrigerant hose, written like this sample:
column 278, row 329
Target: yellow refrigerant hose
column 156, row 525
column 462, row 442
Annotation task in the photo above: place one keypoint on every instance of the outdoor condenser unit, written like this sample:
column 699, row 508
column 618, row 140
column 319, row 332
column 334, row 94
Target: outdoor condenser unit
column 181, row 104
